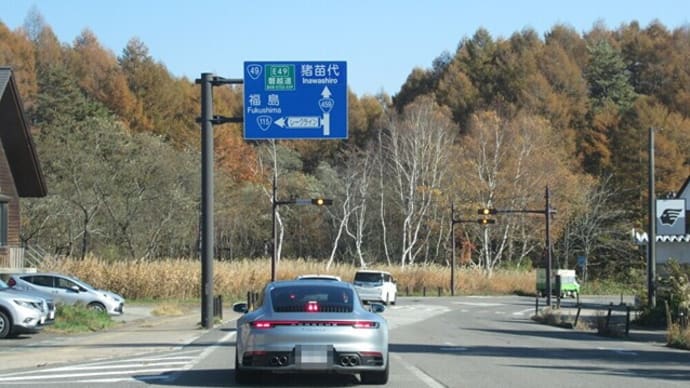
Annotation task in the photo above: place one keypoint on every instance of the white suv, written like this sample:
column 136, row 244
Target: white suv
column 21, row 314
column 376, row 286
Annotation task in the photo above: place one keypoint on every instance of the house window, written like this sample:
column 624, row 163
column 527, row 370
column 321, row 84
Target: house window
column 4, row 214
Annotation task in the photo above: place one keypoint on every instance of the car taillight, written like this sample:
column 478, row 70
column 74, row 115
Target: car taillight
column 313, row 307
column 11, row 282
column 365, row 325
column 262, row 325
column 354, row 324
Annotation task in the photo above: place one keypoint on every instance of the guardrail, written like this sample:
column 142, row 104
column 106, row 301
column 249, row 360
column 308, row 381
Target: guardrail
column 605, row 319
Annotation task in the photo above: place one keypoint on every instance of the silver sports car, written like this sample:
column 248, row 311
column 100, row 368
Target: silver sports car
column 306, row 326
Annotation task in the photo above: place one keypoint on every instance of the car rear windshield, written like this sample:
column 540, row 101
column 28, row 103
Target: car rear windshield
column 309, row 298
column 370, row 277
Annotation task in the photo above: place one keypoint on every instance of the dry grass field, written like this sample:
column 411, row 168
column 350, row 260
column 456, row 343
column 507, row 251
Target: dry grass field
column 181, row 278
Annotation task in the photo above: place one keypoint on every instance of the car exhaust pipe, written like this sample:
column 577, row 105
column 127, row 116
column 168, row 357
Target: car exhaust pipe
column 279, row 360
column 349, row 360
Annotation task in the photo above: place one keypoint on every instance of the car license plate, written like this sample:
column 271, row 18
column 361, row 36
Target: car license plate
column 313, row 356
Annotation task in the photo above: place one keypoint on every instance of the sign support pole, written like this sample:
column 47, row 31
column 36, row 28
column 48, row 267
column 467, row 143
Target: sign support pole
column 206, row 228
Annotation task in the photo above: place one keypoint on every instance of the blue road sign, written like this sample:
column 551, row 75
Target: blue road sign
column 295, row 100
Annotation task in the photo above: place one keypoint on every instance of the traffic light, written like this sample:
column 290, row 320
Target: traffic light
column 486, row 221
column 486, row 211
column 321, row 201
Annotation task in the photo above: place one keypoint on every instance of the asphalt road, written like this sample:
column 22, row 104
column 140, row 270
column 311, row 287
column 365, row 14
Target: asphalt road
column 434, row 342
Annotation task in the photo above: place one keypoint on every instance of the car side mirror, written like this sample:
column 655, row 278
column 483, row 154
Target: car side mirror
column 75, row 289
column 377, row 308
column 240, row 307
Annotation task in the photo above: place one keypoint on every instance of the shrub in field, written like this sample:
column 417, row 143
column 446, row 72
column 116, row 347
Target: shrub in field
column 181, row 278
column 678, row 336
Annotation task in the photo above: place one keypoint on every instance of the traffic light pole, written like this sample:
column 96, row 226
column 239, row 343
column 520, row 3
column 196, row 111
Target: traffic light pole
column 454, row 221
column 275, row 205
column 294, row 201
column 547, row 212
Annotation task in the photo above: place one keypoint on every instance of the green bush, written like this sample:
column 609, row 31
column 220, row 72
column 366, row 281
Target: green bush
column 79, row 318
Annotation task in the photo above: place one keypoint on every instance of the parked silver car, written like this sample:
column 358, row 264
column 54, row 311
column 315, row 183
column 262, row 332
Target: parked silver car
column 21, row 314
column 305, row 326
column 69, row 290
column 48, row 316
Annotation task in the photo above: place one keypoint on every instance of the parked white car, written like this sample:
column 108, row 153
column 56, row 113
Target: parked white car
column 21, row 314
column 48, row 316
column 376, row 286
column 318, row 277
column 69, row 290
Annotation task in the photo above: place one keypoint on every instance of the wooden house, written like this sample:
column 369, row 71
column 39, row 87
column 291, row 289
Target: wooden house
column 671, row 243
column 20, row 171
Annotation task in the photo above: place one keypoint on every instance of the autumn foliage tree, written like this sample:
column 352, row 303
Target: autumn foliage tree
column 492, row 123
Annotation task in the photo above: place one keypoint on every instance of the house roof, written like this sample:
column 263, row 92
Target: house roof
column 681, row 192
column 16, row 140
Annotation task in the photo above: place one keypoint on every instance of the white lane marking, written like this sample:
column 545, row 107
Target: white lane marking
column 116, row 364
column 423, row 377
column 176, row 373
column 73, row 375
column 405, row 315
column 479, row 304
column 211, row 348
column 152, row 364
column 523, row 312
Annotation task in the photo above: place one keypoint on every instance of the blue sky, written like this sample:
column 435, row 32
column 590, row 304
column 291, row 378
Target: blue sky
column 382, row 41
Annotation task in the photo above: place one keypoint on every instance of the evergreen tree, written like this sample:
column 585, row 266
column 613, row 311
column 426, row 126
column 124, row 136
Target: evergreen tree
column 608, row 78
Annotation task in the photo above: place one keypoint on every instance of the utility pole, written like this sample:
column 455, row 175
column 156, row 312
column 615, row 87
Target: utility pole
column 651, row 241
column 547, row 214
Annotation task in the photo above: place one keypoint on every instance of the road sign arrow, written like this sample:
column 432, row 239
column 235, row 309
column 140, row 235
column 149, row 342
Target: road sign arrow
column 326, row 92
column 280, row 122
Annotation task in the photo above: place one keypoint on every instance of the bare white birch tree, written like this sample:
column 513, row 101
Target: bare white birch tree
column 416, row 149
column 351, row 193
column 509, row 162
